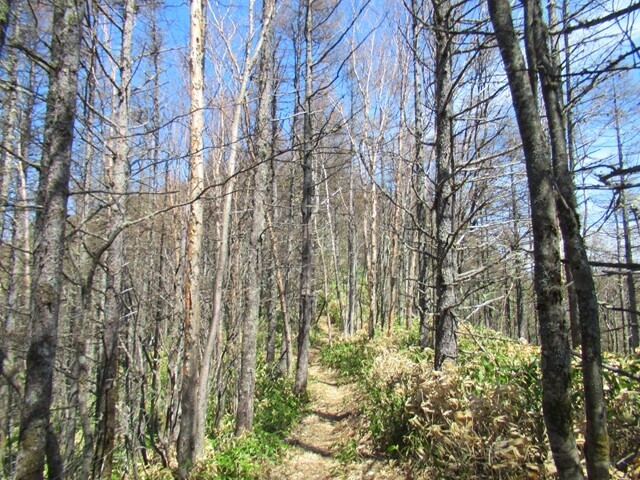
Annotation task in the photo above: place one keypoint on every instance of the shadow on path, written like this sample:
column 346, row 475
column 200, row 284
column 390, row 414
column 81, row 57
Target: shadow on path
column 332, row 417
column 323, row 452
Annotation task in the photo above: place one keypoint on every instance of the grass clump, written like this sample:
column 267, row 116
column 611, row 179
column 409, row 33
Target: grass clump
column 242, row 457
column 248, row 457
column 480, row 419
column 351, row 358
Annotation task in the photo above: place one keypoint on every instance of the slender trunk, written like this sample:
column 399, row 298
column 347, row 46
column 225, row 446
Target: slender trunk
column 596, row 438
column 349, row 327
column 325, row 270
column 334, row 249
column 270, row 303
column 446, row 343
column 518, row 270
column 83, row 332
column 53, row 192
column 422, row 211
column 10, row 121
column 556, row 355
column 371, row 227
column 270, row 307
column 308, row 194
column 114, row 309
column 621, row 293
column 247, row 380
column 395, row 240
column 282, row 296
column 189, row 442
column 572, row 298
column 17, row 303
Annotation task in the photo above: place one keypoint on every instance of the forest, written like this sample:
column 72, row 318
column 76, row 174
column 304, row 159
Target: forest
column 218, row 218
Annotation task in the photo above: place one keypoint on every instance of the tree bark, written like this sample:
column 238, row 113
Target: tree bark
column 446, row 343
column 189, row 443
column 308, row 194
column 114, row 308
column 596, row 438
column 53, row 192
column 247, row 380
column 556, row 355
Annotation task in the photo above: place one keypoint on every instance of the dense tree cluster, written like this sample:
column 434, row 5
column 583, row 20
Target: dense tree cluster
column 185, row 192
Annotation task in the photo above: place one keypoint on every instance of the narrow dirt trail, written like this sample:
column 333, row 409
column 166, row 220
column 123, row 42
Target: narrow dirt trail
column 316, row 442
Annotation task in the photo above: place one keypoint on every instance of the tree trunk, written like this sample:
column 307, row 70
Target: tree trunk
column 556, row 355
column 352, row 265
column 372, row 247
column 308, row 194
column 49, row 239
column 247, row 380
column 9, row 120
column 17, row 305
column 418, row 178
column 114, row 309
column 446, row 343
column 189, row 443
column 596, row 438
column 334, row 248
column 282, row 296
column 632, row 303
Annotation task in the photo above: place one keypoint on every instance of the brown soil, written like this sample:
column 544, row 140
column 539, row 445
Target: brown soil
column 319, row 441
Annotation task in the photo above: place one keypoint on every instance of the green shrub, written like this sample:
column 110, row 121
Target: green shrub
column 245, row 457
column 352, row 357
column 276, row 406
column 241, row 457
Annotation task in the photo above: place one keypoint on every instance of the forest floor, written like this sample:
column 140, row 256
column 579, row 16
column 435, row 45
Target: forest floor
column 324, row 443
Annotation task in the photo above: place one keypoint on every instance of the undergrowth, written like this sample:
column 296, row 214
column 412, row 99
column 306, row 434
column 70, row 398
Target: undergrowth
column 478, row 420
column 245, row 457
column 228, row 457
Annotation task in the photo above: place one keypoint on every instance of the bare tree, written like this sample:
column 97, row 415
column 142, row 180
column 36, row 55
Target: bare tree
column 308, row 193
column 189, row 443
column 632, row 303
column 247, row 380
column 222, row 255
column 446, row 345
column 556, row 355
column 422, row 214
column 117, row 178
column 37, row 438
column 597, row 439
